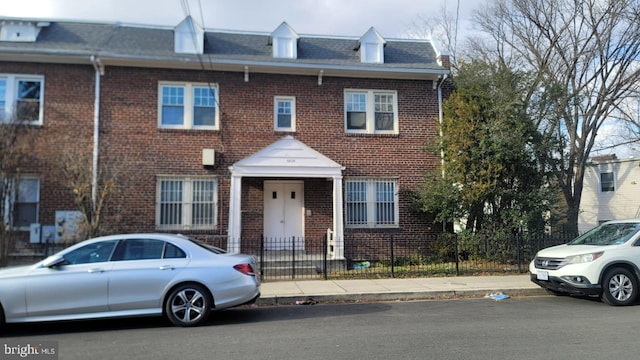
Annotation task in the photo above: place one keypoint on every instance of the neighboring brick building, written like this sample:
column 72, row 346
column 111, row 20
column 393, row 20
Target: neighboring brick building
column 233, row 134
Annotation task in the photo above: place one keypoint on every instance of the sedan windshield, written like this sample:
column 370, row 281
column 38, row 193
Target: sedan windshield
column 608, row 234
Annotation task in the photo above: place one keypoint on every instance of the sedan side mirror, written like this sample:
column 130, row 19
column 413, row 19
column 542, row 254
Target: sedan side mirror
column 54, row 262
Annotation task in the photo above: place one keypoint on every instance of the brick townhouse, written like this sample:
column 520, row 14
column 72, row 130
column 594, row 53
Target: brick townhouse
column 231, row 135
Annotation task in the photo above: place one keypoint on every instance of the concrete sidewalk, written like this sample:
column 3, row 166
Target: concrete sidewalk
column 290, row 292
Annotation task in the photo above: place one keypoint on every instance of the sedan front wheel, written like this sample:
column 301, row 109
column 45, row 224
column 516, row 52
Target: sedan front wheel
column 188, row 305
column 619, row 287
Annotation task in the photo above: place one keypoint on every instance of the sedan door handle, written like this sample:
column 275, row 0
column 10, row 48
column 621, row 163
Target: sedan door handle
column 166, row 267
column 96, row 270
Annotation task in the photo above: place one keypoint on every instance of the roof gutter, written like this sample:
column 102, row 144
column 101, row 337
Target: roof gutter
column 306, row 68
column 99, row 71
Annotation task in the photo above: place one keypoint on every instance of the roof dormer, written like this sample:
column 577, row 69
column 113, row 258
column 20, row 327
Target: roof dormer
column 285, row 42
column 372, row 47
column 188, row 37
column 21, row 31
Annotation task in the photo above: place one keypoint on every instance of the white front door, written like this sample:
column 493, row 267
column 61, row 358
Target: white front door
column 283, row 215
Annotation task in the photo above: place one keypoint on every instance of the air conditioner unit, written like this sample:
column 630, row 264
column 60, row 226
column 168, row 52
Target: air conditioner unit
column 208, row 157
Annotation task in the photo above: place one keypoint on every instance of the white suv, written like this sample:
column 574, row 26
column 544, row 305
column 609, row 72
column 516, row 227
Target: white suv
column 604, row 261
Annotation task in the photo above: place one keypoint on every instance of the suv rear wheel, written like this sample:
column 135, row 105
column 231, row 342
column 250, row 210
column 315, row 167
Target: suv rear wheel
column 619, row 287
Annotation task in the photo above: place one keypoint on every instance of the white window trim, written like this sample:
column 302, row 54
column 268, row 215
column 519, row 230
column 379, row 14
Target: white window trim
column 291, row 99
column 370, row 111
column 372, row 52
column 12, row 198
column 11, row 96
column 371, row 204
column 285, row 47
column 187, row 201
column 614, row 181
column 188, row 106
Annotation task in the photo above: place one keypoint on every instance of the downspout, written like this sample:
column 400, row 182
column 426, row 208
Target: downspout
column 441, row 120
column 99, row 69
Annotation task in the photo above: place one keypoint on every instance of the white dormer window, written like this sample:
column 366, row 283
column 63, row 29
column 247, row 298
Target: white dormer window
column 372, row 47
column 285, row 42
column 188, row 37
column 20, row 31
column 283, row 48
column 373, row 53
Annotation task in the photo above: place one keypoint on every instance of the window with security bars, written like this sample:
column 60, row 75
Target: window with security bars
column 371, row 203
column 187, row 203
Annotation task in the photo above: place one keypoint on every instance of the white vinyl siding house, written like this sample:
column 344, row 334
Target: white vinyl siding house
column 611, row 192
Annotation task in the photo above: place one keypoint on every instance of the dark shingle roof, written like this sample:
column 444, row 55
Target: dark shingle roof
column 127, row 41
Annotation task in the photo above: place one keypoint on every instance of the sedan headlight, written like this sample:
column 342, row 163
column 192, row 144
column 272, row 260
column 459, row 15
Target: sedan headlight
column 585, row 258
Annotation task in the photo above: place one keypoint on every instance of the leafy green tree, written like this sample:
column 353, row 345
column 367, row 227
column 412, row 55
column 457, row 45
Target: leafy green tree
column 584, row 55
column 490, row 173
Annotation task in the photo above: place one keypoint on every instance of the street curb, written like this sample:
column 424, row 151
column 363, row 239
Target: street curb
column 390, row 296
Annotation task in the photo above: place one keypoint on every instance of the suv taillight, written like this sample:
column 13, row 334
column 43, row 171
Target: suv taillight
column 246, row 269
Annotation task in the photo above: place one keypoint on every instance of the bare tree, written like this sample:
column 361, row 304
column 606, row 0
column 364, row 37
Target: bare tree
column 584, row 55
column 103, row 209
column 442, row 28
column 15, row 138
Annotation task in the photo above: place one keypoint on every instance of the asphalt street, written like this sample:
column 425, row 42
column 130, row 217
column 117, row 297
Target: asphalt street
column 543, row 327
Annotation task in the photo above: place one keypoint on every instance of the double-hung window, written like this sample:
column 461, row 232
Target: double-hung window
column 21, row 98
column 185, row 203
column 371, row 203
column 607, row 182
column 284, row 108
column 22, row 201
column 371, row 112
column 188, row 106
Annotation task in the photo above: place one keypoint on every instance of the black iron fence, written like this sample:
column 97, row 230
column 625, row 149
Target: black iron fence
column 392, row 256
column 386, row 255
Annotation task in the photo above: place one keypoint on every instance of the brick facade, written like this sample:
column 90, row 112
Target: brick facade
column 130, row 137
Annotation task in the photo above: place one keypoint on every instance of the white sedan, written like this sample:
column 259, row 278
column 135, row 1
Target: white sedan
column 129, row 275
